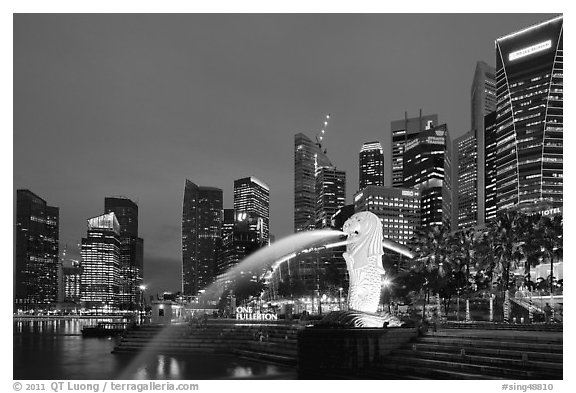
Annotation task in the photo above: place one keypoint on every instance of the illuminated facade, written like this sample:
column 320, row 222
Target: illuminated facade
column 467, row 179
column 470, row 199
column 36, row 267
column 330, row 194
column 131, row 250
column 71, row 277
column 529, row 117
column 371, row 165
column 252, row 200
column 397, row 208
column 428, row 169
column 491, row 169
column 308, row 156
column 202, row 216
column 100, row 282
column 402, row 132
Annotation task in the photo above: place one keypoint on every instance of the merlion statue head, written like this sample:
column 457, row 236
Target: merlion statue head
column 364, row 231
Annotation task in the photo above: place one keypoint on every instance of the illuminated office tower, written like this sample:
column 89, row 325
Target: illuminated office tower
column 131, row 250
column 529, row 117
column 308, row 156
column 467, row 180
column 371, row 165
column 427, row 168
column 36, row 267
column 252, row 203
column 402, row 132
column 470, row 198
column 201, row 236
column 491, row 169
column 397, row 208
column 330, row 194
column 100, row 281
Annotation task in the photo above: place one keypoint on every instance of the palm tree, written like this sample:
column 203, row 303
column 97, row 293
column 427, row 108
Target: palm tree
column 551, row 241
column 430, row 247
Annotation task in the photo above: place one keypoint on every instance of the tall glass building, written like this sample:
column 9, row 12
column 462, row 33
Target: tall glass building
column 131, row 250
column 308, row 157
column 36, row 265
column 397, row 208
column 529, row 117
column 404, row 131
column 100, row 281
column 467, row 180
column 252, row 200
column 202, row 215
column 330, row 194
column 427, row 168
column 371, row 165
column 490, row 207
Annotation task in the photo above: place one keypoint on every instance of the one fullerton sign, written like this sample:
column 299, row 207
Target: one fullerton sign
column 530, row 50
column 246, row 314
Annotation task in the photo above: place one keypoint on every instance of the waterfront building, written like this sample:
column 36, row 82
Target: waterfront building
column 252, row 205
column 402, row 132
column 308, row 157
column 490, row 167
column 529, row 117
column 100, row 281
column 201, row 236
column 131, row 250
column 399, row 210
column 467, row 180
column 37, row 259
column 470, row 197
column 371, row 165
column 71, row 281
column 330, row 194
column 427, row 168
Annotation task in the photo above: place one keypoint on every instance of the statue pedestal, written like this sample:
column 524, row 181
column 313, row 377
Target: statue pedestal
column 337, row 353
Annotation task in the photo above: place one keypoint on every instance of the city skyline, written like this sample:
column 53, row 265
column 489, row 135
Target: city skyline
column 93, row 91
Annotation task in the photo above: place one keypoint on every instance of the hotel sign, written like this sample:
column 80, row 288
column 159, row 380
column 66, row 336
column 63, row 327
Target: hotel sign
column 530, row 50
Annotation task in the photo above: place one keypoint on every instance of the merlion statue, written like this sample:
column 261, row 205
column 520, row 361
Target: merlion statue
column 363, row 257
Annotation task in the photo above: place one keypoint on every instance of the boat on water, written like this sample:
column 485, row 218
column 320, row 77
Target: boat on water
column 105, row 329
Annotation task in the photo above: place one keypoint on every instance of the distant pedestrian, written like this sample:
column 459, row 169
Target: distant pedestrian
column 548, row 313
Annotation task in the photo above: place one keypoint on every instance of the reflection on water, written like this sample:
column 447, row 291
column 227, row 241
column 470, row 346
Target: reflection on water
column 55, row 349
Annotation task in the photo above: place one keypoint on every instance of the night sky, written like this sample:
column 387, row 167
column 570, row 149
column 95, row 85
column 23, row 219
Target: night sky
column 132, row 105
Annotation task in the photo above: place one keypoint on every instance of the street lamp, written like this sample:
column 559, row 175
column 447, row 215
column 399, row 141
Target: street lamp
column 340, row 299
column 142, row 308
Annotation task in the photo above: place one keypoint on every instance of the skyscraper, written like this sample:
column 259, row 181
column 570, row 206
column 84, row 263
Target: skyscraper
column 131, row 249
column 36, row 265
column 529, row 117
column 371, row 165
column 201, row 236
column 427, row 168
column 402, row 132
column 330, row 194
column 397, row 208
column 308, row 156
column 491, row 169
column 482, row 102
column 100, row 281
column 252, row 200
column 467, row 180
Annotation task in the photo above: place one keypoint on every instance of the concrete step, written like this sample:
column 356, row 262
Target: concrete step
column 503, row 353
column 431, row 367
column 494, row 344
column 524, row 336
column 268, row 357
column 408, row 371
column 544, row 367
